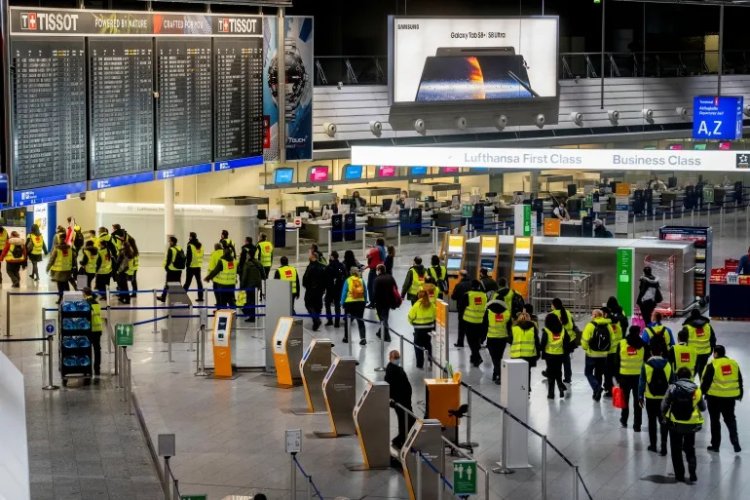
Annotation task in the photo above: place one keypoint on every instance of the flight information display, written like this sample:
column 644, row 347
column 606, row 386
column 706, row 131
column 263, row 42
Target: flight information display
column 238, row 98
column 49, row 111
column 183, row 108
column 122, row 113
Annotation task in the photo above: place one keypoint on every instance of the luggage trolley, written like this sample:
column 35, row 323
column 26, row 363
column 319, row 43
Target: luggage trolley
column 75, row 338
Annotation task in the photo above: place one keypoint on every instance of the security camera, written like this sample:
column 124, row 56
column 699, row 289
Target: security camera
column 540, row 120
column 339, row 85
column 746, row 109
column 614, row 116
column 576, row 118
column 648, row 115
column 682, row 112
column 501, row 121
column 376, row 128
column 330, row 129
column 461, row 123
column 82, row 196
column 420, row 126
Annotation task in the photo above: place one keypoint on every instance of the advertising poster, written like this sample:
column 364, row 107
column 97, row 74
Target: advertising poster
column 473, row 59
column 298, row 50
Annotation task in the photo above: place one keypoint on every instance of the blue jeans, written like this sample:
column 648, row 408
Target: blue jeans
column 594, row 371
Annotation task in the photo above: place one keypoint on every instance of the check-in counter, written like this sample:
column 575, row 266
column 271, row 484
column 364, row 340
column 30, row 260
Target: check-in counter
column 317, row 230
column 290, row 230
column 381, row 223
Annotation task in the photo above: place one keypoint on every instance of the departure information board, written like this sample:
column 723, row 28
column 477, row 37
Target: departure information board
column 183, row 107
column 49, row 111
column 122, row 115
column 238, row 105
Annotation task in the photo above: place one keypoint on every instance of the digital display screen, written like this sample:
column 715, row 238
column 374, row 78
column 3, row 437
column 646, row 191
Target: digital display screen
column 222, row 323
column 699, row 147
column 453, row 263
column 725, row 146
column 449, row 170
column 419, row 171
column 319, row 174
column 523, row 246
column 521, row 266
column 675, row 147
column 352, row 172
column 455, row 243
column 386, row 171
column 283, row 175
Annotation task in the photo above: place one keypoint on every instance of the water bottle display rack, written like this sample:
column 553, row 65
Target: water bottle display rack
column 75, row 340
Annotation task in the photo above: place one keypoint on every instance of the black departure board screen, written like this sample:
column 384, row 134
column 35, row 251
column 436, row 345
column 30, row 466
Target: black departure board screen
column 48, row 79
column 183, row 108
column 122, row 113
column 238, row 98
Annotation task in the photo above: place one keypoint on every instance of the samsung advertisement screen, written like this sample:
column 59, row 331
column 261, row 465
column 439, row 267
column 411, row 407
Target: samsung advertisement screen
column 474, row 59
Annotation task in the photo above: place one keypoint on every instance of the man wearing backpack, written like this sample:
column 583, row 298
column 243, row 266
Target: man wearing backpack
column 683, row 354
column 354, row 298
column 656, row 332
column 702, row 337
column 722, row 385
column 335, row 276
column 681, row 408
column 596, row 341
column 511, row 298
column 629, row 360
column 174, row 263
column 385, row 297
column 656, row 375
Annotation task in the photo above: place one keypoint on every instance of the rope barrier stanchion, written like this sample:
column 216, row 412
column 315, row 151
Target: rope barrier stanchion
column 383, row 331
column 50, row 380
column 156, row 330
column 7, row 314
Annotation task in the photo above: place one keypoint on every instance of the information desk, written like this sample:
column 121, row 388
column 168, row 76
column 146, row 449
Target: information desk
column 729, row 301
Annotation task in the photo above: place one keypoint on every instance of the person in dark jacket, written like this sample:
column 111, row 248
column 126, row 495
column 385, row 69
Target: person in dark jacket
column 497, row 324
column 513, row 299
column 194, row 264
column 314, row 281
column 390, row 258
column 701, row 336
column 649, row 294
column 247, row 250
column 336, row 274
column 414, row 280
column 554, row 343
column 400, row 393
column 652, row 400
column 384, row 289
column 629, row 364
column 459, row 291
column 350, row 261
column 488, row 283
column 252, row 275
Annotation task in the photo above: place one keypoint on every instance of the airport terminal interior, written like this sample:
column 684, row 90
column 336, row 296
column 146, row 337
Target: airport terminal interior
column 284, row 249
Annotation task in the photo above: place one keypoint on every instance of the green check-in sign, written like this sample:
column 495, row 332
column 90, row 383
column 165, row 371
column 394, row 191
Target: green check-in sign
column 124, row 334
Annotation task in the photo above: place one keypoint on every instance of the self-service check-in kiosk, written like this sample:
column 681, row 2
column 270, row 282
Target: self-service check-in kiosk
column 339, row 386
column 489, row 255
column 314, row 366
column 287, row 351
column 521, row 271
column 370, row 420
column 223, row 325
column 454, row 245
column 443, row 395
column 425, row 437
column 178, row 317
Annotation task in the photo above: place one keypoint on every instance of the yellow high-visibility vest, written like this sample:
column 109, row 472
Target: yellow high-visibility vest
column 726, row 381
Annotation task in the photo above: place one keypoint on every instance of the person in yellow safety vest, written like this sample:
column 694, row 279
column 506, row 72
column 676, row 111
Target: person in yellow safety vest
column 422, row 316
column 596, row 345
column 656, row 332
column 683, row 354
column 524, row 341
column 96, row 329
column 215, row 256
column 264, row 254
column 554, row 343
column 498, row 323
column 722, row 385
column 35, row 249
column 174, row 263
column 559, row 310
column 439, row 273
column 610, row 371
column 653, row 383
column 431, row 289
column 88, row 262
column 513, row 299
column 90, row 235
column 473, row 304
column 3, row 240
column 60, row 266
column 194, row 265
column 353, row 299
column 414, row 280
column 224, row 276
column 629, row 363
column 701, row 336
column 14, row 254
column 288, row 273
column 681, row 408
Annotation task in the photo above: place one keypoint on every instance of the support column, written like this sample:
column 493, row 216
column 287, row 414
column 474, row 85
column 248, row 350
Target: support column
column 169, row 207
column 281, row 98
column 534, row 181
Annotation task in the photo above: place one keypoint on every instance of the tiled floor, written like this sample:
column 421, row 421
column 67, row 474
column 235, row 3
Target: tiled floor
column 230, row 433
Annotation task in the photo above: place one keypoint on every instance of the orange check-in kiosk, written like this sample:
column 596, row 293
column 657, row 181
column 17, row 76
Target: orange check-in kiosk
column 520, row 277
column 223, row 325
column 489, row 255
column 287, row 351
column 453, row 255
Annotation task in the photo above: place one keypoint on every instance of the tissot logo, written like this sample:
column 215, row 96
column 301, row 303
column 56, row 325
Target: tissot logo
column 408, row 26
column 49, row 21
column 224, row 25
column 237, row 25
column 28, row 21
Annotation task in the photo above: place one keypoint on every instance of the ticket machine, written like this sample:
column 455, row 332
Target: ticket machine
column 424, row 437
column 371, row 417
column 339, row 387
column 454, row 251
column 314, row 366
column 489, row 255
column 287, row 351
column 222, row 331
column 521, row 271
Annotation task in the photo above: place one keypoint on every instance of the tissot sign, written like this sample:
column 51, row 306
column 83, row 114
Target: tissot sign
column 554, row 159
column 30, row 21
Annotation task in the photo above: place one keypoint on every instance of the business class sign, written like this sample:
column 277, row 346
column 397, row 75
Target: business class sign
column 546, row 159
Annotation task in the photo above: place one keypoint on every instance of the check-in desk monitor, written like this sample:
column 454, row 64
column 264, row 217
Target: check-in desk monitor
column 521, row 269
column 287, row 351
column 489, row 255
column 316, row 361
column 221, row 339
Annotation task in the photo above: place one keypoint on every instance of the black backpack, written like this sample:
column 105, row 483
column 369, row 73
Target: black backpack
column 659, row 383
column 179, row 259
column 17, row 251
column 682, row 404
column 338, row 275
column 78, row 240
column 601, row 339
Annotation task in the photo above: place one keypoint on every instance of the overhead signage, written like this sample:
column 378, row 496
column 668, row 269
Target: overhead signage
column 718, row 118
column 171, row 173
column 28, row 197
column 557, row 159
column 242, row 162
column 122, row 180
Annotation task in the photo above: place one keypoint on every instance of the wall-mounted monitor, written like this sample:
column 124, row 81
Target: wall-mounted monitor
column 453, row 264
column 725, row 146
column 283, row 176
column 523, row 246
column 418, row 171
column 449, row 170
column 386, row 171
column 521, row 266
column 351, row 172
column 319, row 173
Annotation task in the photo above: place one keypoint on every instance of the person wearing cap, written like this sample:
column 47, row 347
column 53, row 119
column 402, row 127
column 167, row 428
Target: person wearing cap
column 96, row 329
column 14, row 255
column 459, row 291
column 194, row 259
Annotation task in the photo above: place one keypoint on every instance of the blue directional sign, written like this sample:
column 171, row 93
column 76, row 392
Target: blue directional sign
column 48, row 194
column 717, row 118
